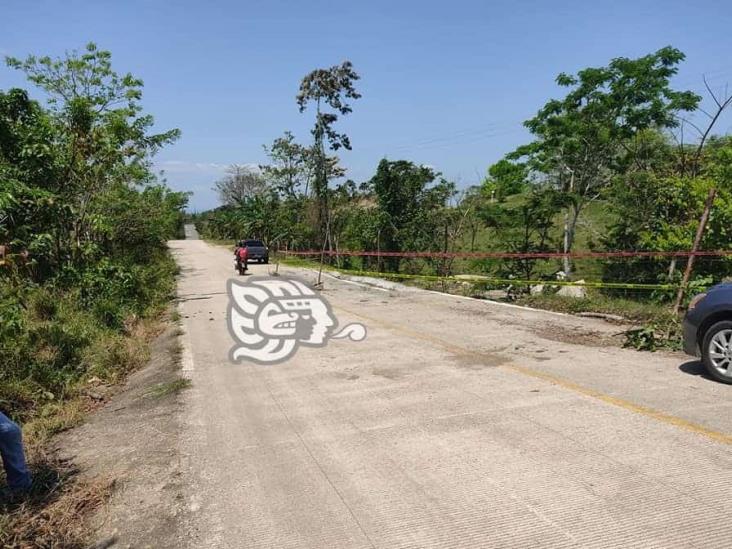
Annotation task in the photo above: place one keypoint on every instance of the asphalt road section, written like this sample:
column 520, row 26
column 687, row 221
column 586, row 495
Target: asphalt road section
column 456, row 423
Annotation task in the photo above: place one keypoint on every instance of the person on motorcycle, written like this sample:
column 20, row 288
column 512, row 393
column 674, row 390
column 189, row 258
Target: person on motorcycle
column 239, row 245
column 241, row 257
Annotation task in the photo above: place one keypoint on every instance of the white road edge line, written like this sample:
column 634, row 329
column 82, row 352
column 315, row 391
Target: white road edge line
column 472, row 299
column 354, row 283
column 501, row 303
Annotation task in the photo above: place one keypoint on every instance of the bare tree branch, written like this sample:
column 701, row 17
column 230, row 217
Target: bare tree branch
column 711, row 93
column 722, row 104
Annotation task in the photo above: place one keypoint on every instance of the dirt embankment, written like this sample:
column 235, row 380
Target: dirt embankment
column 133, row 442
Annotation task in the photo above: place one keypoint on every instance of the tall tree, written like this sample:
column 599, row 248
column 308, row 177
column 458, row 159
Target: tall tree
column 523, row 226
column 505, row 178
column 239, row 184
column 30, row 176
column 101, row 137
column 410, row 207
column 329, row 89
column 579, row 138
column 659, row 209
column 291, row 166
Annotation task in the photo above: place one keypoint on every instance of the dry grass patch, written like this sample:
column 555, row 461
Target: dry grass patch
column 172, row 387
column 53, row 514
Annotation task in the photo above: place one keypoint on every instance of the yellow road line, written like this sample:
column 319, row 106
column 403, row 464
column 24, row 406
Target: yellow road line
column 639, row 409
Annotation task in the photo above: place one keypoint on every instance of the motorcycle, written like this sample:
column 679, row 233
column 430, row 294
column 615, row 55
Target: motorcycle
column 240, row 267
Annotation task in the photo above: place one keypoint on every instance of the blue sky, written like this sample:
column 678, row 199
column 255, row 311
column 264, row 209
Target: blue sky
column 444, row 83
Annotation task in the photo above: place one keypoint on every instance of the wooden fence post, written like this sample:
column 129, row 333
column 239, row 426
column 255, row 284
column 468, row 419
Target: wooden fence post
column 694, row 249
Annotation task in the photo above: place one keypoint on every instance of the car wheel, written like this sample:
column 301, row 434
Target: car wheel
column 717, row 351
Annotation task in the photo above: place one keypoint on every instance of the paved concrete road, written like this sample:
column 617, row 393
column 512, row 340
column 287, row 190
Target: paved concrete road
column 190, row 232
column 457, row 423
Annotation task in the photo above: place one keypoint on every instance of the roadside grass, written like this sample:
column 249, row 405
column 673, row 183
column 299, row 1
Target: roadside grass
column 176, row 351
column 596, row 302
column 53, row 514
column 303, row 263
column 65, row 349
column 54, row 418
column 172, row 387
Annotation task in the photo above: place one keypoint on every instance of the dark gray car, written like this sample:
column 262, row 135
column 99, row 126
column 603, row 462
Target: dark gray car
column 708, row 331
column 256, row 251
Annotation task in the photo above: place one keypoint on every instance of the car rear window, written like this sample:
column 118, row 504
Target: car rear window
column 254, row 243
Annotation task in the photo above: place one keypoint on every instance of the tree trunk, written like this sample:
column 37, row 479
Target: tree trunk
column 565, row 260
column 569, row 229
column 570, row 226
column 697, row 241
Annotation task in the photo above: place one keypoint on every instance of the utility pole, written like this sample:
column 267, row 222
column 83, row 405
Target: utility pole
column 694, row 249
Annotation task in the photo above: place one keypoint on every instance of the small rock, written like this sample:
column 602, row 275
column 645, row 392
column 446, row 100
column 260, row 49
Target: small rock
column 495, row 294
column 538, row 289
column 573, row 291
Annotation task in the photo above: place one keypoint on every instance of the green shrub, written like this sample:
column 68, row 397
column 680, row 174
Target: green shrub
column 111, row 356
column 75, row 326
column 663, row 332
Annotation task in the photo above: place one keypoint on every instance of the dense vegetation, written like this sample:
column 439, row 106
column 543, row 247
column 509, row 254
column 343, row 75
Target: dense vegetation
column 607, row 169
column 83, row 225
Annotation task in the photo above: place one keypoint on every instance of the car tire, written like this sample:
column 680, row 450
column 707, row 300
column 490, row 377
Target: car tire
column 720, row 330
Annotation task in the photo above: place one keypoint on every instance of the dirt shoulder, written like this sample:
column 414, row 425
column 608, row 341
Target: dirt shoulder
column 133, row 442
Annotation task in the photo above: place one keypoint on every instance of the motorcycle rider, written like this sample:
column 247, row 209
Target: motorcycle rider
column 241, row 257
